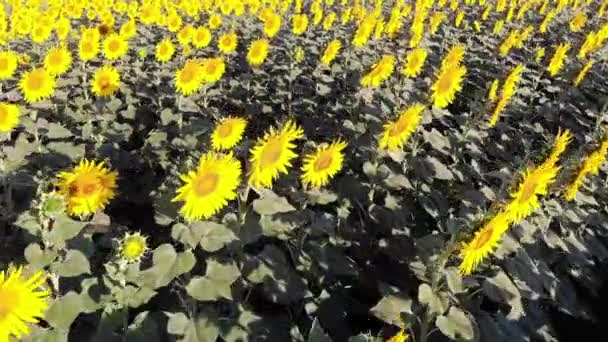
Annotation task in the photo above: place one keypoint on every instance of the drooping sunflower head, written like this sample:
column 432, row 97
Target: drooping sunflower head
column 8, row 64
column 209, row 188
column 106, row 81
column 323, row 164
column 415, row 62
column 201, row 37
column 331, row 52
column 228, row 132
column 164, row 50
column 397, row 132
column 212, row 69
column 9, row 116
column 189, row 78
column 115, row 46
column 132, row 247
column 272, row 154
column 228, row 42
column 37, row 84
column 448, row 83
column 258, row 50
column 22, row 301
column 58, row 60
column 483, row 243
column 87, row 188
column 534, row 183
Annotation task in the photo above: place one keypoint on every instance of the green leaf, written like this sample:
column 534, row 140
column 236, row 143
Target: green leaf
column 437, row 303
column 276, row 228
column 50, row 335
column 145, row 328
column 502, row 290
column 270, row 203
column 38, row 258
column 321, row 197
column 216, row 283
column 28, row 222
column 456, row 325
column 202, row 328
column 238, row 328
column 74, row 264
column 177, row 324
column 62, row 313
column 454, row 280
column 64, row 229
column 56, row 131
column 167, row 264
column 390, row 308
column 212, row 236
column 317, row 334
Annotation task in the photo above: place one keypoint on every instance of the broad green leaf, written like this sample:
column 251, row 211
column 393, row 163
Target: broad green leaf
column 437, row 302
column 64, row 310
column 317, row 334
column 456, row 325
column 38, row 258
column 270, row 203
column 216, row 283
column 212, row 236
column 390, row 307
column 64, row 228
column 74, row 264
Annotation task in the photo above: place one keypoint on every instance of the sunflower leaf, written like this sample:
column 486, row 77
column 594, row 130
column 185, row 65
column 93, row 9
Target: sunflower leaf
column 64, row 229
column 216, row 283
column 456, row 325
column 270, row 203
column 390, row 307
column 437, row 302
column 212, row 236
column 74, row 264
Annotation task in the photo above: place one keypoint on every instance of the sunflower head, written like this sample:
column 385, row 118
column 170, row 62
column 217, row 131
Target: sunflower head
column 201, row 37
column 300, row 23
column 164, row 50
column 331, row 52
column 8, row 64
column 258, row 50
column 414, row 62
column 557, row 60
column 115, row 46
column 215, row 21
column 483, row 243
column 228, row 42
column 9, row 116
column 58, row 61
column 37, row 84
column 88, row 49
column 401, row 336
column 132, row 247
column 272, row 24
column 87, row 188
column 380, row 72
column 189, row 78
column 323, row 164
column 448, row 83
column 228, row 132
column 397, row 132
column 106, row 81
column 212, row 69
column 525, row 199
column 561, row 142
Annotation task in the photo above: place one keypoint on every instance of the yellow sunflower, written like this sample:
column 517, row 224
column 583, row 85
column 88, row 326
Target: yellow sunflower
column 212, row 69
column 401, row 336
column 228, row 132
column 454, row 56
column 88, row 49
column 228, row 42
column 58, row 61
column 201, row 37
column 299, row 22
column 88, row 188
column 493, row 91
column 397, row 132
column 184, row 36
column 415, row 62
column 331, row 52
column 105, row 81
column 448, row 83
column 483, row 243
column 132, row 247
column 272, row 154
column 323, row 164
column 22, row 301
column 380, row 72
column 557, row 60
column 561, row 142
column 9, row 116
column 540, row 53
column 164, row 50
column 8, row 64
column 36, row 85
column 535, row 182
column 209, row 188
column 188, row 79
column 215, row 21
column 591, row 164
column 128, row 29
column 581, row 74
column 510, row 86
column 258, row 50
column 115, row 46
column 272, row 24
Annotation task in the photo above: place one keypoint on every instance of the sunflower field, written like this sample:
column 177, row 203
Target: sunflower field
column 303, row 170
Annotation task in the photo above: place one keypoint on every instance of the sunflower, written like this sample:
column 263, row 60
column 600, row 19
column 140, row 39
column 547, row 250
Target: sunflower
column 396, row 133
column 212, row 69
column 88, row 188
column 258, row 50
column 9, row 116
column 414, row 62
column 328, row 21
column 188, row 79
column 493, row 91
column 591, row 164
column 557, row 60
column 21, row 302
column 510, row 85
column 323, row 164
column 299, row 22
column 561, row 142
column 228, row 42
column 58, row 61
column 380, row 72
column 272, row 24
column 8, row 64
column 36, row 85
column 209, row 188
column 115, row 46
column 272, row 154
column 41, row 33
column 535, row 182
column 132, row 247
column 184, row 36
column 448, row 83
column 298, row 54
column 164, row 50
column 578, row 22
column 174, row 22
column 128, row 29
column 63, row 26
column 228, row 132
column 483, row 243
column 88, row 49
column 215, row 21
column 201, row 37
column 581, row 74
column 105, row 81
column 401, row 336
column 331, row 52
column 453, row 57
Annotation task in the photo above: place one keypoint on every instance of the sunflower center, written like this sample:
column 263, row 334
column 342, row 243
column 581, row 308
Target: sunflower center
column 187, row 75
column 104, row 83
column 323, row 161
column 55, row 59
column 211, row 68
column 3, row 63
column 9, row 301
column 133, row 248
column 529, row 189
column 206, row 183
column 226, row 41
column 483, row 238
column 163, row 49
column 397, row 128
column 271, row 153
column 84, row 186
column 225, row 130
column 35, row 81
column 3, row 114
column 256, row 51
column 445, row 84
column 114, row 45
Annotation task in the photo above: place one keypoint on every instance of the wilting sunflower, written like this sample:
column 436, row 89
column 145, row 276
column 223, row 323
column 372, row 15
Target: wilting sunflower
column 212, row 69
column 36, row 85
column 228, row 132
column 8, row 64
column 58, row 61
column 88, row 49
column 209, row 188
column 132, row 247
column 414, row 62
column 448, row 83
column 557, row 61
column 88, row 188
column 272, row 154
column 9, row 116
column 115, row 46
column 258, row 50
column 380, row 72
column 581, row 74
column 227, row 42
column 299, row 22
column 331, row 52
column 22, row 301
column 188, row 79
column 164, row 50
column 201, row 37
column 483, row 243
column 535, row 182
column 105, row 81
column 397, row 132
column 323, row 164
